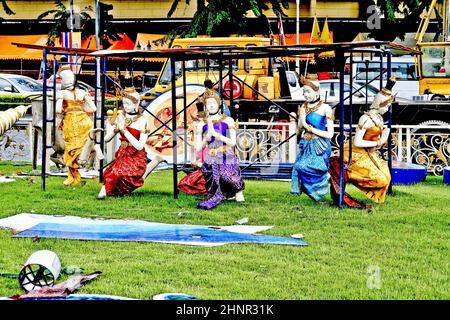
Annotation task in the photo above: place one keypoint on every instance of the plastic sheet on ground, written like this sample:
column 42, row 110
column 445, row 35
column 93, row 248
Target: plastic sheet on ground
column 70, row 227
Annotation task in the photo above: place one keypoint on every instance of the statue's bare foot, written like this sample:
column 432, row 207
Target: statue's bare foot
column 102, row 194
column 240, row 196
column 68, row 182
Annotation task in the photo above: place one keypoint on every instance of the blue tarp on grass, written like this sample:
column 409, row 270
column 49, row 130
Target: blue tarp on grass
column 161, row 233
column 136, row 230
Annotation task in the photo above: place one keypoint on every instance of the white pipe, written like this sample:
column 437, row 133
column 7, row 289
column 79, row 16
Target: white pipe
column 400, row 145
column 71, row 16
column 446, row 16
column 10, row 116
column 408, row 145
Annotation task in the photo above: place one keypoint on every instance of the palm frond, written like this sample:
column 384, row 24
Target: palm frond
column 59, row 4
column 173, row 7
column 6, row 8
column 85, row 16
column 46, row 13
column 219, row 17
column 88, row 9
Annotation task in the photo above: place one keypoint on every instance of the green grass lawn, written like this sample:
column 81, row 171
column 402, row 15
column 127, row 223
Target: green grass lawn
column 407, row 238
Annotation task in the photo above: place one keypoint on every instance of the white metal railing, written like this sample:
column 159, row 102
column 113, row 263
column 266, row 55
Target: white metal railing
column 263, row 142
column 17, row 143
column 427, row 145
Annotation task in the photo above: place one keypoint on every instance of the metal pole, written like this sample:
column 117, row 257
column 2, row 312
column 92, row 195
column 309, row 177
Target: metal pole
column 389, row 73
column 44, row 118
column 350, row 107
column 230, row 77
column 351, row 85
column 297, row 24
column 183, row 70
column 174, row 128
column 54, row 102
column 381, row 71
column 97, row 24
column 341, row 130
column 102, row 117
column 97, row 59
column 446, row 24
column 221, row 82
column 446, row 27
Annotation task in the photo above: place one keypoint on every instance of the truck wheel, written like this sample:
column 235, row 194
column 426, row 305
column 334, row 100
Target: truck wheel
column 438, row 97
column 430, row 123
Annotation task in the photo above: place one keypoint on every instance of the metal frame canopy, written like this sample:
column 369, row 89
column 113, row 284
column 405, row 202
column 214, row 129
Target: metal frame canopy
column 223, row 53
column 343, row 50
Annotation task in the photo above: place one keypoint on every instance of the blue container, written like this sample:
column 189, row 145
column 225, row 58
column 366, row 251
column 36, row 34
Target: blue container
column 408, row 173
column 447, row 175
column 402, row 172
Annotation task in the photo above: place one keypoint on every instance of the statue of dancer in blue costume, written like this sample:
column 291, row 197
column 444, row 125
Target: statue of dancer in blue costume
column 315, row 124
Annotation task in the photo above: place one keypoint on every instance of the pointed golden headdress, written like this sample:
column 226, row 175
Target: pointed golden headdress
column 385, row 97
column 130, row 91
column 311, row 80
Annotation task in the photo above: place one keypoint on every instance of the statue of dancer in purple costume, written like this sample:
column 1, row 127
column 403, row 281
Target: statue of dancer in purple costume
column 221, row 166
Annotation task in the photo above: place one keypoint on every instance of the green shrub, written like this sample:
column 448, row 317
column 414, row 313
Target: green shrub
column 110, row 103
column 11, row 101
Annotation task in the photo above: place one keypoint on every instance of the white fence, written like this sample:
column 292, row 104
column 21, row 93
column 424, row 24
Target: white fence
column 428, row 145
column 263, row 142
column 16, row 143
column 258, row 141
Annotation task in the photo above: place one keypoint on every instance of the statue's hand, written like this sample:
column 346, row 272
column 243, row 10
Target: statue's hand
column 308, row 127
column 385, row 135
column 120, row 124
column 208, row 135
column 302, row 117
column 215, row 134
column 302, row 112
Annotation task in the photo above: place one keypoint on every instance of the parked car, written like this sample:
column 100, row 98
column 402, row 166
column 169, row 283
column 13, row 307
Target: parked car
column 149, row 79
column 330, row 92
column 404, row 70
column 294, row 85
column 14, row 84
column 146, row 97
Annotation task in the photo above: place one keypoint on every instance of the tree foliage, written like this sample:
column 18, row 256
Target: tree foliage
column 391, row 26
column 225, row 17
column 6, row 8
column 61, row 15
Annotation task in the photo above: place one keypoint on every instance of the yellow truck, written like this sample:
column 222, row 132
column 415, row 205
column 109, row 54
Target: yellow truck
column 259, row 74
column 433, row 60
